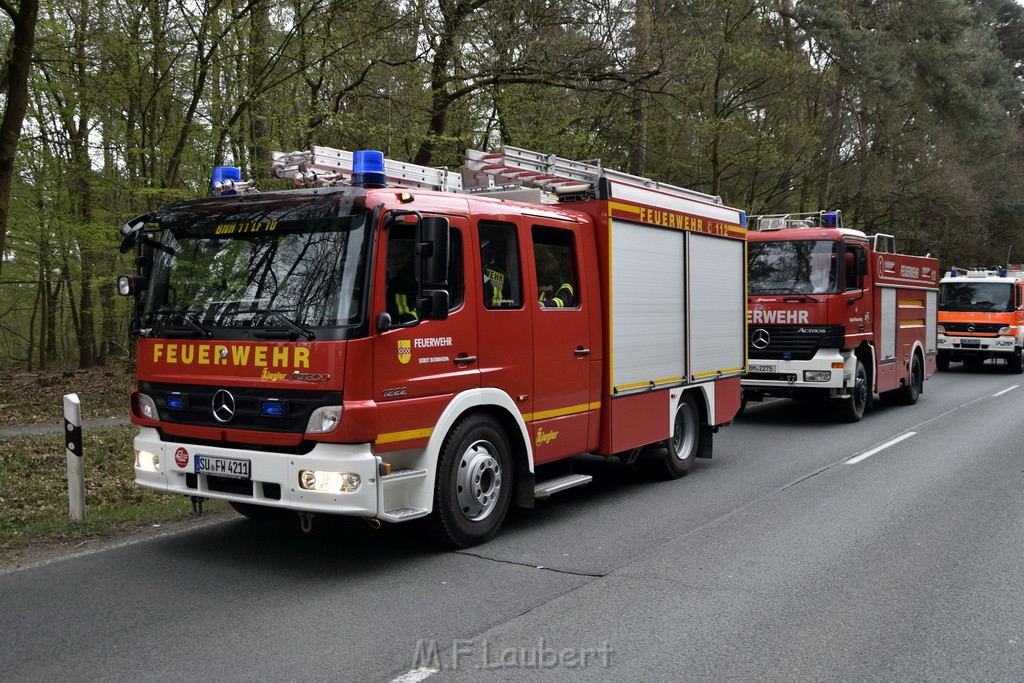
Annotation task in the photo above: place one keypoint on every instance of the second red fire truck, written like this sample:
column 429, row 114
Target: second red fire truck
column 835, row 314
column 390, row 343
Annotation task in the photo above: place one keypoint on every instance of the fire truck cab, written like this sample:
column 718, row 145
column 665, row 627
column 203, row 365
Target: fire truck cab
column 396, row 342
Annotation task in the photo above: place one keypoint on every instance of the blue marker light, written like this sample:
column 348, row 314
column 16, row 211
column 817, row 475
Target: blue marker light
column 368, row 168
column 829, row 219
column 177, row 401
column 787, row 356
column 953, row 272
column 272, row 408
column 1002, row 272
column 743, row 219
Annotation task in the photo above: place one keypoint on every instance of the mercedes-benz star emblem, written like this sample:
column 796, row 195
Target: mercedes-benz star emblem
column 970, row 328
column 223, row 406
column 760, row 339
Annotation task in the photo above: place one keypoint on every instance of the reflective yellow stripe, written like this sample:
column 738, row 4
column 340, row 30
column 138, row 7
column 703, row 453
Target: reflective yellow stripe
column 407, row 435
column 561, row 412
column 911, row 303
column 702, row 375
column 912, row 323
column 653, row 382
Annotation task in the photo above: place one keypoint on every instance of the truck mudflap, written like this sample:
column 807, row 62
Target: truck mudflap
column 341, row 479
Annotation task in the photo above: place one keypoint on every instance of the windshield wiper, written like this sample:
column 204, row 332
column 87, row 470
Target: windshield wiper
column 788, row 290
column 294, row 329
column 190, row 319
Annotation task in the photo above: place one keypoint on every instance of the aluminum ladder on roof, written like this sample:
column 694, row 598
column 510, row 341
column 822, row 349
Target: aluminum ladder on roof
column 516, row 166
column 326, row 165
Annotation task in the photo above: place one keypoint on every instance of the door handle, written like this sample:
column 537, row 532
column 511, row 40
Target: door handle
column 580, row 351
column 464, row 359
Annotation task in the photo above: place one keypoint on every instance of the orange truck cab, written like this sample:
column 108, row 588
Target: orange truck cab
column 981, row 316
column 397, row 342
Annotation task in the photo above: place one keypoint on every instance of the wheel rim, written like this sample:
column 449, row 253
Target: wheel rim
column 683, row 431
column 479, row 481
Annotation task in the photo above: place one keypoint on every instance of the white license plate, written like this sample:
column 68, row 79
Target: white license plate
column 761, row 367
column 970, row 342
column 222, row 467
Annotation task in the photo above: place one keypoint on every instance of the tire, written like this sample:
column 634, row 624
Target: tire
column 908, row 394
column 942, row 362
column 1016, row 362
column 852, row 409
column 681, row 447
column 474, row 483
column 260, row 513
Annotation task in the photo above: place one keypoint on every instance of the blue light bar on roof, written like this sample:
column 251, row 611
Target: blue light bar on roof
column 830, row 219
column 743, row 219
column 222, row 173
column 368, row 168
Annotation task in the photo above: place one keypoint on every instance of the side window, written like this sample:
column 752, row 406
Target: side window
column 401, row 289
column 850, row 257
column 456, row 277
column 557, row 277
column 499, row 263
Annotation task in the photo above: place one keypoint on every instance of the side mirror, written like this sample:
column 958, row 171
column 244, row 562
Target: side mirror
column 434, row 304
column 131, row 233
column 862, row 262
column 432, row 251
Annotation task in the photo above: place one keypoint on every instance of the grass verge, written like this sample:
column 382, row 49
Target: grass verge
column 34, row 498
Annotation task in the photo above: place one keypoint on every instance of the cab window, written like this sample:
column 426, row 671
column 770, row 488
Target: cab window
column 499, row 263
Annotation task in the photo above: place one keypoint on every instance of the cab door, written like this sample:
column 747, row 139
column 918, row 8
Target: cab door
column 562, row 343
column 416, row 367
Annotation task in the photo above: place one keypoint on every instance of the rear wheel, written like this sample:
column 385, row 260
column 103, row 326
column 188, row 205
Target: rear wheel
column 909, row 393
column 681, row 447
column 474, row 483
column 852, row 409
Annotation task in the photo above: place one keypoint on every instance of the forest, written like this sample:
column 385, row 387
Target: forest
column 906, row 115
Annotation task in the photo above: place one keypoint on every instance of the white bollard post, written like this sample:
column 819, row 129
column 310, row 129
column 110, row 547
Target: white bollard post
column 73, row 451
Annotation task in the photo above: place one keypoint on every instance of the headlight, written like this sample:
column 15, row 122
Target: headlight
column 147, row 406
column 329, row 482
column 324, row 420
column 144, row 460
column 941, row 329
column 1006, row 330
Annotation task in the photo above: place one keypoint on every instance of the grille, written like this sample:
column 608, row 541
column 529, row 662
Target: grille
column 788, row 339
column 297, row 406
column 979, row 328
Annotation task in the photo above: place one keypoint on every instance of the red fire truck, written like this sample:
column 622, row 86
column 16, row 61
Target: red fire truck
column 835, row 314
column 395, row 342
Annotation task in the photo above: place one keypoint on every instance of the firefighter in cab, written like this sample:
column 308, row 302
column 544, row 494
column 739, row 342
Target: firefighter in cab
column 556, row 290
column 401, row 276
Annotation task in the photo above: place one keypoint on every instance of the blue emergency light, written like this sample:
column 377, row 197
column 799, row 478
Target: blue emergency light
column 177, row 401
column 743, row 219
column 222, row 173
column 368, row 168
column 272, row 408
column 830, row 219
column 953, row 272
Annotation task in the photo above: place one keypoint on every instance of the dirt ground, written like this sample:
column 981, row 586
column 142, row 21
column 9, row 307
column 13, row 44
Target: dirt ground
column 28, row 398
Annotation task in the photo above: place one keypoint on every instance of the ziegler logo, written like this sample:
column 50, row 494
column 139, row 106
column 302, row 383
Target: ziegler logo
column 310, row 377
column 394, row 393
column 545, row 437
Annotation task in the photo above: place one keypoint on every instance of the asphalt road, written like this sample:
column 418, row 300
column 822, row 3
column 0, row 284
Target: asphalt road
column 775, row 560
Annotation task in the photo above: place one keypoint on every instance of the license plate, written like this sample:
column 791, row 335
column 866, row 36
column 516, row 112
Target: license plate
column 235, row 468
column 970, row 342
column 761, row 367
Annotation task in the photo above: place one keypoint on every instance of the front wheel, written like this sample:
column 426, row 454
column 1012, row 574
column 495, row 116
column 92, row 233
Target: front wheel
column 681, row 447
column 852, row 409
column 1016, row 362
column 474, row 483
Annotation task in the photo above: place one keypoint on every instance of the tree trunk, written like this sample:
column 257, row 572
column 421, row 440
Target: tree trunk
column 19, row 61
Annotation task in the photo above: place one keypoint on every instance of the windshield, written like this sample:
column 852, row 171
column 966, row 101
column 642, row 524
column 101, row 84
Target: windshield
column 793, row 267
column 975, row 296
column 288, row 267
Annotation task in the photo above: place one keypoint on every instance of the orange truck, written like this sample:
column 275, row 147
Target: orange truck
column 834, row 314
column 387, row 342
column 981, row 316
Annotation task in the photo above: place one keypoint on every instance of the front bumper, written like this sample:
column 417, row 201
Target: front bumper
column 780, row 377
column 274, row 477
column 985, row 346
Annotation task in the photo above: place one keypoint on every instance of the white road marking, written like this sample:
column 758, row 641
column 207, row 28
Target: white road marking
column 1005, row 390
column 415, row 675
column 857, row 458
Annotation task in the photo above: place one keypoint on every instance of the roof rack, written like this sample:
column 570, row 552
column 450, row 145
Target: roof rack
column 812, row 219
column 329, row 166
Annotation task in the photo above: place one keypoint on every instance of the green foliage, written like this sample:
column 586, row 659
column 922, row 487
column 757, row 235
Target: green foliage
column 907, row 115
